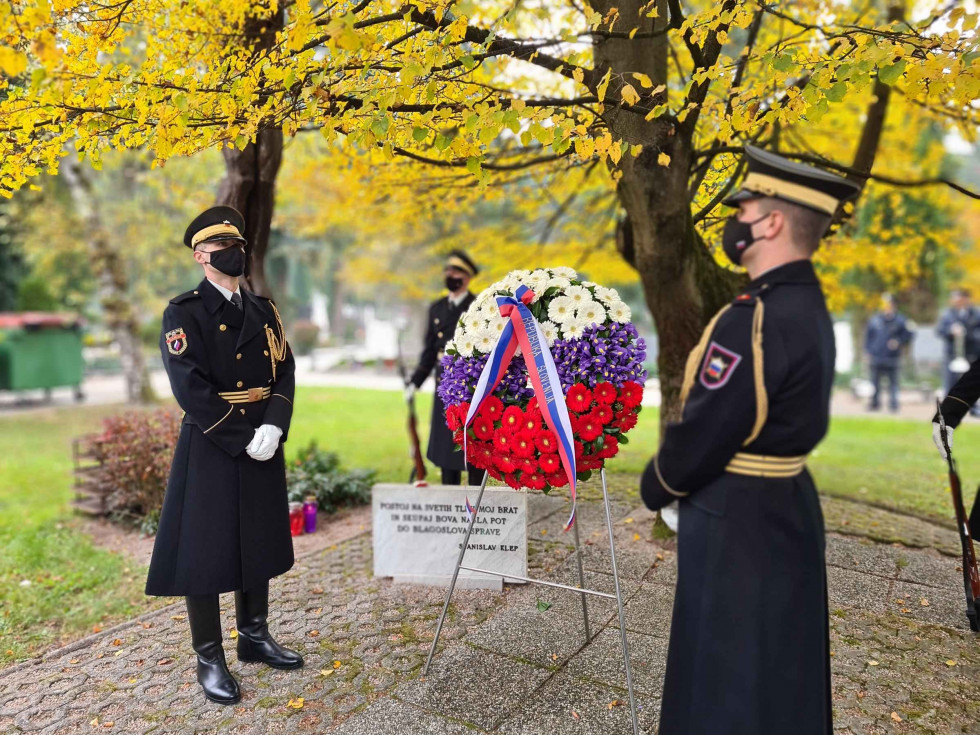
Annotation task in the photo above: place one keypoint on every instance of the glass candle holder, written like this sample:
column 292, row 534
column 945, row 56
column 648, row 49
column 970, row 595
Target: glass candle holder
column 296, row 519
column 309, row 514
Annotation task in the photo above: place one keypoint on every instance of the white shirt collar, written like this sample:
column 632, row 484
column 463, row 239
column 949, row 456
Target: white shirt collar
column 224, row 291
column 457, row 300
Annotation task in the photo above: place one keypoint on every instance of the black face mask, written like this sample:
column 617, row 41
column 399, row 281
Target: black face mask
column 453, row 283
column 737, row 237
column 230, row 261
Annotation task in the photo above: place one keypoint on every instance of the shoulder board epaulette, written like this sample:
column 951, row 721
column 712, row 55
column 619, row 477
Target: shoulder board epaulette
column 267, row 298
column 750, row 297
column 187, row 295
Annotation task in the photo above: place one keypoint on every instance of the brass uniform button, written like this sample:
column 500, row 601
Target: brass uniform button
column 265, row 352
column 242, row 410
column 239, row 384
column 238, row 356
column 222, row 327
column 195, row 292
column 437, row 320
column 439, row 335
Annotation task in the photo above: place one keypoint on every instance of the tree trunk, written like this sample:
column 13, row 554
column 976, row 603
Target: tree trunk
column 250, row 174
column 116, row 299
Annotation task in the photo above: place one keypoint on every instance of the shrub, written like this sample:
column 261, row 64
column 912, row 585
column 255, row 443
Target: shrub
column 317, row 472
column 303, row 336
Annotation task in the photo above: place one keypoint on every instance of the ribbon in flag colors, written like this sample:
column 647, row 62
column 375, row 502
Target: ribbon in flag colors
column 523, row 329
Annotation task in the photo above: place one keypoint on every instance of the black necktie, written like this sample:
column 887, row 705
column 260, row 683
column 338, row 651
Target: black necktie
column 236, row 299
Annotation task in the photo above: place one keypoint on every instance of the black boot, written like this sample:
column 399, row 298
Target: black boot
column 212, row 672
column 255, row 643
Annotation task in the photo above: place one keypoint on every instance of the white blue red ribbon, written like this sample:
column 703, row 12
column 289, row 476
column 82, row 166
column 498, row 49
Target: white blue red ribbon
column 524, row 330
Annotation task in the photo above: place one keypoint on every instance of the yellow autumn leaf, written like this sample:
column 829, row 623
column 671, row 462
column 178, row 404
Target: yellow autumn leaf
column 12, row 62
column 295, row 703
column 629, row 94
column 337, row 664
column 643, row 79
column 663, row 159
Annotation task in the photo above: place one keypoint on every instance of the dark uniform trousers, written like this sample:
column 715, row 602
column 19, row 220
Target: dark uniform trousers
column 443, row 317
column 225, row 522
column 749, row 644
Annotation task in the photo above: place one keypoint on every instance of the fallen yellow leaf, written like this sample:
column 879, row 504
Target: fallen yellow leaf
column 872, row 663
column 950, row 662
column 233, row 633
column 615, row 703
column 636, row 537
column 326, row 672
column 628, row 520
column 337, row 664
column 897, row 717
column 314, row 633
column 295, row 703
column 924, row 602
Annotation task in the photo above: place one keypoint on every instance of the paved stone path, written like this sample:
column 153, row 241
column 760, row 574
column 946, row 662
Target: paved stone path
column 903, row 658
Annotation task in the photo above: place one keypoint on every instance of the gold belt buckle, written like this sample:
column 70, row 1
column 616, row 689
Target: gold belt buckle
column 254, row 394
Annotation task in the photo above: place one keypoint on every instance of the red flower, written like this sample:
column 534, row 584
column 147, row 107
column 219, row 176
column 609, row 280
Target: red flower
column 579, row 449
column 546, row 441
column 579, row 398
column 549, row 463
column 492, row 408
column 604, row 413
column 458, row 437
column 610, row 447
column 480, row 454
column 523, row 444
column 626, row 422
column 505, row 462
column 534, row 480
column 455, row 415
column 483, row 428
column 513, row 481
column 588, row 463
column 532, row 421
column 512, row 418
column 631, row 394
column 503, row 440
column 604, row 393
column 494, row 473
column 588, row 427
column 559, row 479
column 526, row 464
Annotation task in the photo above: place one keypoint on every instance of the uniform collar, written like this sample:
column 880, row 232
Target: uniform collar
column 224, row 291
column 796, row 271
column 212, row 297
column 460, row 300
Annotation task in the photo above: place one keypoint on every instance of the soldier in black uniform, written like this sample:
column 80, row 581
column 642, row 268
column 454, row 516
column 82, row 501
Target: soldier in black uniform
column 441, row 324
column 225, row 519
column 749, row 648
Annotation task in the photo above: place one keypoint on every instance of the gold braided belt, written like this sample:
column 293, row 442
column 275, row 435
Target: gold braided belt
column 251, row 395
column 760, row 465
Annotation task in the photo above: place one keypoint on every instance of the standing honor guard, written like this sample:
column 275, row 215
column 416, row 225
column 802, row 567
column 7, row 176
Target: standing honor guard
column 443, row 316
column 225, row 520
column 749, row 648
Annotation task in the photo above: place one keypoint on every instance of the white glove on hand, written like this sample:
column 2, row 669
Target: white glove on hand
column 268, row 441
column 937, row 438
column 409, row 392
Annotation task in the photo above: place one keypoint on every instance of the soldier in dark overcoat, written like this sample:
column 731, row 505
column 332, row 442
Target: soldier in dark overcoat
column 224, row 525
column 441, row 321
column 749, row 649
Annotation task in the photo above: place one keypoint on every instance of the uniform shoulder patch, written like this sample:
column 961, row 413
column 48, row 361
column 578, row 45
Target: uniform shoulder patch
column 186, row 296
column 718, row 366
column 176, row 341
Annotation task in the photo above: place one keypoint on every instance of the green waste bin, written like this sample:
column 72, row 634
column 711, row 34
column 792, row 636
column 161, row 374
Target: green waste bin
column 40, row 350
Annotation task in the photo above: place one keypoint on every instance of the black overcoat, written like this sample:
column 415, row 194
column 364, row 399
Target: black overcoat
column 749, row 649
column 225, row 519
column 441, row 324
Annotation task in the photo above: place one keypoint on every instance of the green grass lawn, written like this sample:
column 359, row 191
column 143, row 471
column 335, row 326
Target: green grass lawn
column 75, row 586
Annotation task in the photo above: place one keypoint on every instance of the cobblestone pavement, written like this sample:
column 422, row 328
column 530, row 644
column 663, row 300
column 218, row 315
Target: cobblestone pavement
column 904, row 660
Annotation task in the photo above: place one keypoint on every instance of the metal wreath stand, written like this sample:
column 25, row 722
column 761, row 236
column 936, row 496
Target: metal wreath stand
column 580, row 589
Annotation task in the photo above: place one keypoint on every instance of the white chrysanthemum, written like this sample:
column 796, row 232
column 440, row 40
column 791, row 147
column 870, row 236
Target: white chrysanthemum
column 484, row 341
column 572, row 330
column 515, row 279
column 489, row 311
column 564, row 272
column 578, row 294
column 497, row 325
column 450, row 345
column 559, row 282
column 473, row 321
column 590, row 313
column 620, row 313
column 608, row 295
column 537, row 282
column 561, row 309
column 464, row 345
column 550, row 332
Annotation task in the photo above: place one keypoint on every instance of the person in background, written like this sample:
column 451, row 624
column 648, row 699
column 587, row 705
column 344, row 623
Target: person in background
column 885, row 337
column 959, row 327
column 444, row 314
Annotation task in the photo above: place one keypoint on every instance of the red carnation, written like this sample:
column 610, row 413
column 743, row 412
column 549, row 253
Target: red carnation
column 579, row 398
column 604, row 393
column 604, row 413
column 534, row 480
column 483, row 428
column 505, row 463
column 587, row 427
column 512, row 418
column 523, row 444
column 559, row 479
column 627, row 421
column 610, row 447
column 526, row 464
column 549, row 463
column 546, row 441
column 631, row 394
column 492, row 408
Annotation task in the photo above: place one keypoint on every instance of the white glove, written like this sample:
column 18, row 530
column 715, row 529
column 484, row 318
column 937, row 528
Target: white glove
column 937, row 438
column 268, row 441
column 409, row 392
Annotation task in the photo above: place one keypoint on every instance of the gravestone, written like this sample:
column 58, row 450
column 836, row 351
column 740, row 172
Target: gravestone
column 418, row 532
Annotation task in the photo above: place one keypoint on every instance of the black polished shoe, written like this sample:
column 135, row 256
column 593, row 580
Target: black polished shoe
column 217, row 682
column 255, row 643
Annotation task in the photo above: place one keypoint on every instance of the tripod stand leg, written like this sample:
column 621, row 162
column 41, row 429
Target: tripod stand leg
column 581, row 582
